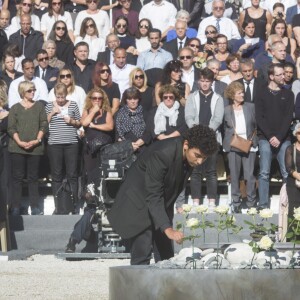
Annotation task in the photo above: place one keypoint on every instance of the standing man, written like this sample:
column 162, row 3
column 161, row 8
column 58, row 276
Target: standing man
column 120, row 70
column 274, row 109
column 144, row 206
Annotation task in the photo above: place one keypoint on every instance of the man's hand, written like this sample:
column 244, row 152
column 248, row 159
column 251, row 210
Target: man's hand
column 174, row 235
column 274, row 142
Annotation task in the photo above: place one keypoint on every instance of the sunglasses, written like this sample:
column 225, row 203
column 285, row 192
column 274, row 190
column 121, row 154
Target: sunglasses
column 60, row 28
column 166, row 97
column 90, row 26
column 177, row 71
column 144, row 26
column 43, row 59
column 218, row 8
column 194, row 46
column 210, row 32
column 121, row 26
column 96, row 98
column 91, row 1
column 27, row 4
column 104, row 71
column 62, row 76
column 142, row 76
column 31, row 91
column 56, row 3
column 185, row 57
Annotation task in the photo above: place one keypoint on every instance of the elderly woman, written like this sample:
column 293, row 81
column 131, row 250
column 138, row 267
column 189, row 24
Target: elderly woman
column 239, row 118
column 138, row 79
column 130, row 122
column 27, row 124
column 54, row 62
column 64, row 119
column 98, row 124
column 167, row 120
column 233, row 66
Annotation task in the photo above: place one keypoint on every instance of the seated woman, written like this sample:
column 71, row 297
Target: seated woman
column 233, row 66
column 138, row 79
column 172, row 75
column 54, row 62
column 248, row 46
column 122, row 31
column 98, row 124
column 199, row 56
column 64, row 120
column 9, row 73
column 239, row 118
column 141, row 37
column 130, row 122
column 167, row 120
column 210, row 46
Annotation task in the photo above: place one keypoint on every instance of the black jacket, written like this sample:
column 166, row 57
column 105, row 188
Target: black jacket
column 50, row 73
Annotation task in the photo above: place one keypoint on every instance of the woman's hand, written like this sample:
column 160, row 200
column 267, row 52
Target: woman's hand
column 92, row 125
column 67, row 119
column 135, row 146
column 3, row 114
column 55, row 110
column 95, row 108
column 24, row 145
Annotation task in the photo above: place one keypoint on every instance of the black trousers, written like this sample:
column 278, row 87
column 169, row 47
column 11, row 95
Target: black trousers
column 20, row 163
column 142, row 245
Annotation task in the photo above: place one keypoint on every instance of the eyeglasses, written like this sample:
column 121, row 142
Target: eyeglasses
column 31, row 91
column 43, row 59
column 194, row 46
column 142, row 76
column 121, row 26
column 91, row 1
column 144, row 26
column 210, row 32
column 56, row 3
column 60, row 28
column 166, row 97
column 218, row 8
column 185, row 57
column 177, row 71
column 104, row 71
column 90, row 26
column 96, row 98
column 62, row 76
column 27, row 4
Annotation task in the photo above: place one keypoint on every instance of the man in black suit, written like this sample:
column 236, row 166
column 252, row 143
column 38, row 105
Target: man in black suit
column 249, row 82
column 144, row 206
column 44, row 71
column 107, row 56
column 177, row 44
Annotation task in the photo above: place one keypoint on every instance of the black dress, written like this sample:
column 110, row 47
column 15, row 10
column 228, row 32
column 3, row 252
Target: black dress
column 112, row 92
column 260, row 24
column 147, row 101
column 64, row 51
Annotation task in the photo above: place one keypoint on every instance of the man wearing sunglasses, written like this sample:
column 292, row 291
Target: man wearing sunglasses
column 44, row 70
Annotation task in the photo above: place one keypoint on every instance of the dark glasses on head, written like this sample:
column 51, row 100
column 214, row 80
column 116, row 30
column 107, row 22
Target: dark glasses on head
column 165, row 97
column 31, row 91
column 194, row 46
column 142, row 76
column 43, row 59
column 210, row 32
column 62, row 76
column 60, row 28
column 97, row 98
column 121, row 26
column 185, row 57
column 144, row 26
column 104, row 71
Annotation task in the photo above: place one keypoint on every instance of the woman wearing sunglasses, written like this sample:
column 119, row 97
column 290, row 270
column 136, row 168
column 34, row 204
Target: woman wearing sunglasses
column 172, row 74
column 89, row 34
column 64, row 45
column 102, row 78
column 141, row 37
column 121, row 30
column 74, row 92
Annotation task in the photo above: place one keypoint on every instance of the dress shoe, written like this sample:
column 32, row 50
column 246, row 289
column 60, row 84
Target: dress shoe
column 15, row 212
column 71, row 246
column 237, row 209
column 24, row 211
column 36, row 211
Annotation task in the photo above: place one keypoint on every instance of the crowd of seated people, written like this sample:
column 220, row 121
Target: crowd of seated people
column 77, row 75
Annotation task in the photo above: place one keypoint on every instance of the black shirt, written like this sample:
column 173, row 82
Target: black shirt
column 205, row 110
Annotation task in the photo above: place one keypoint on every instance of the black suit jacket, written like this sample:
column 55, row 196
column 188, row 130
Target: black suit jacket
column 256, row 87
column 172, row 47
column 50, row 72
column 105, row 57
column 150, row 189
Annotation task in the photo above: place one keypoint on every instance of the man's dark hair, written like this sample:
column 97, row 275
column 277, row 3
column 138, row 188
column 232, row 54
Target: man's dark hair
column 271, row 68
column 203, row 138
column 155, row 30
column 25, row 61
column 41, row 51
column 206, row 73
column 288, row 64
column 81, row 44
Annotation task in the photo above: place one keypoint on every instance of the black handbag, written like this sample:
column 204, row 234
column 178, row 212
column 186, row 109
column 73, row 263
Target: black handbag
column 95, row 144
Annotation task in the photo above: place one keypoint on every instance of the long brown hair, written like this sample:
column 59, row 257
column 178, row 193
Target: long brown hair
column 88, row 102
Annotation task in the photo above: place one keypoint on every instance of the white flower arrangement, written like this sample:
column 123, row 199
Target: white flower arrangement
column 201, row 209
column 265, row 243
column 187, row 208
column 252, row 211
column 192, row 223
column 221, row 209
column 266, row 213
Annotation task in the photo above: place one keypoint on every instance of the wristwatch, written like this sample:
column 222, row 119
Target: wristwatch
column 39, row 140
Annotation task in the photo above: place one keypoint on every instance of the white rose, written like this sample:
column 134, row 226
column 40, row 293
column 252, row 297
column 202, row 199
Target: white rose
column 222, row 209
column 192, row 222
column 297, row 210
column 297, row 216
column 201, row 209
column 252, row 211
column 186, row 207
column 265, row 243
column 266, row 213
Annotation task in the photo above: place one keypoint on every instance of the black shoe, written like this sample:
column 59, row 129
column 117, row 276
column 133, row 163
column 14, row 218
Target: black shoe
column 71, row 247
column 24, row 211
column 259, row 208
column 237, row 209
column 15, row 211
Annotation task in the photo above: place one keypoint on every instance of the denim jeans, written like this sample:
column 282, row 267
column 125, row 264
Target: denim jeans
column 266, row 152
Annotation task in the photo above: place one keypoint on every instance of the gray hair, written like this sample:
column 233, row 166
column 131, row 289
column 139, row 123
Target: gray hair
column 297, row 127
column 212, row 62
column 182, row 13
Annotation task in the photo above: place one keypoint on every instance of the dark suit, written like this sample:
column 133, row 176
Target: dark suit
column 145, row 201
column 256, row 86
column 50, row 72
column 172, row 47
column 105, row 57
column 290, row 13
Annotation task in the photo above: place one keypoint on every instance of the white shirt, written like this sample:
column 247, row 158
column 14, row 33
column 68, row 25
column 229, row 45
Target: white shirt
column 15, row 23
column 251, row 85
column 77, row 96
column 161, row 16
column 95, row 45
column 227, row 27
column 188, row 76
column 101, row 19
column 40, row 94
column 47, row 22
column 121, row 76
column 142, row 44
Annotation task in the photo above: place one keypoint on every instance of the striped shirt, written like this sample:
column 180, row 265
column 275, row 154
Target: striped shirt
column 59, row 131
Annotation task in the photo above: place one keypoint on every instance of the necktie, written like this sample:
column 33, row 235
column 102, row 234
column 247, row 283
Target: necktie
column 43, row 74
column 248, row 92
column 218, row 25
column 180, row 45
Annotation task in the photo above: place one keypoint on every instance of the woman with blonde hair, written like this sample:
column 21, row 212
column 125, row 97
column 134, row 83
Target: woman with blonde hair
column 98, row 124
